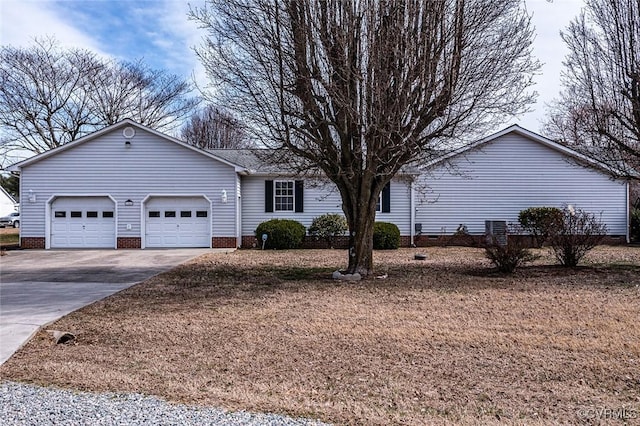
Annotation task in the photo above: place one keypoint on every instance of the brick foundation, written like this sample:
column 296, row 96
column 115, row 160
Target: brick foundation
column 249, row 241
column 32, row 242
column 129, row 243
column 224, row 242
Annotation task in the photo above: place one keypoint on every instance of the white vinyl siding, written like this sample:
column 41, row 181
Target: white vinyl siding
column 507, row 175
column 151, row 165
column 319, row 198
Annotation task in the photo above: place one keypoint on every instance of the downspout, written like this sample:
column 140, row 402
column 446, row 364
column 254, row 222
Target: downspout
column 628, row 208
column 412, row 210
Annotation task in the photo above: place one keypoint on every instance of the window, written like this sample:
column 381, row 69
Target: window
column 92, row 214
column 76, row 214
column 185, row 213
column 154, row 214
column 170, row 214
column 107, row 214
column 201, row 213
column 60, row 214
column 283, row 193
column 384, row 200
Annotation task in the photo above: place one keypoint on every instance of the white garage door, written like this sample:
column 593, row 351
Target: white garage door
column 177, row 222
column 83, row 222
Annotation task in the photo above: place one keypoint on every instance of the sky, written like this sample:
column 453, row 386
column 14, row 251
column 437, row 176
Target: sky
column 159, row 32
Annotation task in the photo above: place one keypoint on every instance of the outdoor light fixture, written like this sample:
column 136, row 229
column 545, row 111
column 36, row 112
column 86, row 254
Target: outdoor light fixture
column 32, row 196
column 128, row 202
column 224, row 196
column 127, row 144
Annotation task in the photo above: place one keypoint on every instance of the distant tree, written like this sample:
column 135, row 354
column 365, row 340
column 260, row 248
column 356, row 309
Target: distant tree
column 11, row 184
column 360, row 88
column 50, row 96
column 598, row 112
column 133, row 90
column 44, row 101
column 213, row 128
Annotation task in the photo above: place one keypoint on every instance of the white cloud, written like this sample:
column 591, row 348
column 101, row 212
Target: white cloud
column 24, row 20
column 186, row 35
column 549, row 18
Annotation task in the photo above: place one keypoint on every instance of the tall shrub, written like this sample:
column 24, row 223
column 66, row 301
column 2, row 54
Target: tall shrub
column 578, row 232
column 540, row 222
column 281, row 233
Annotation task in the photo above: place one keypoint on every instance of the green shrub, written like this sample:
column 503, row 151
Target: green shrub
column 328, row 227
column 635, row 224
column 578, row 233
column 540, row 222
column 386, row 236
column 281, row 233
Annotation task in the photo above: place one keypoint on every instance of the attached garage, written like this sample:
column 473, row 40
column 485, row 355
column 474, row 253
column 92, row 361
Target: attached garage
column 83, row 222
column 183, row 221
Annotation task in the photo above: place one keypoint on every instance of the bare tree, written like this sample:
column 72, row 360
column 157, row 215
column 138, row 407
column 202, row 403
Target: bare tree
column 213, row 128
column 360, row 88
column 50, row 96
column 43, row 96
column 598, row 112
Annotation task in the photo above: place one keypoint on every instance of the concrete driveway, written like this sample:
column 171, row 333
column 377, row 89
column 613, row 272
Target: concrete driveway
column 38, row 286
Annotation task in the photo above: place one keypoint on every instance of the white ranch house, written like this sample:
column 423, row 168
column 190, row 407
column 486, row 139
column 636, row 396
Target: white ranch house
column 128, row 186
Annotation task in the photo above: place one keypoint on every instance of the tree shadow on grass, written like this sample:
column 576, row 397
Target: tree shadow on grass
column 244, row 283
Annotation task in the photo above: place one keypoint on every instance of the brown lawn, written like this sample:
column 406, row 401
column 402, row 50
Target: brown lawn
column 440, row 341
column 9, row 237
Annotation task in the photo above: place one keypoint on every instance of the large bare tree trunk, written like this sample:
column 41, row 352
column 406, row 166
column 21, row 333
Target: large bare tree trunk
column 357, row 89
column 359, row 206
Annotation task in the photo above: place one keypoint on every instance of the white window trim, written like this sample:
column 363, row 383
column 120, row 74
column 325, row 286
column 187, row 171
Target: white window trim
column 293, row 195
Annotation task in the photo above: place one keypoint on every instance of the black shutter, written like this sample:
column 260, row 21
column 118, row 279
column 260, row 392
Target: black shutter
column 386, row 198
column 268, row 196
column 299, row 196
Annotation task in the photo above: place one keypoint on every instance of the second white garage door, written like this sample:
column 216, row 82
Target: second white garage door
column 177, row 222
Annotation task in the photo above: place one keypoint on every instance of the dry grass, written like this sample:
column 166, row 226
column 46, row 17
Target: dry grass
column 440, row 341
column 9, row 236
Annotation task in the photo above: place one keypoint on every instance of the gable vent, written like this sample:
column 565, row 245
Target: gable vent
column 129, row 132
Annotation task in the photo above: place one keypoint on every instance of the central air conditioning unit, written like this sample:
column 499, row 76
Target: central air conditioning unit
column 496, row 231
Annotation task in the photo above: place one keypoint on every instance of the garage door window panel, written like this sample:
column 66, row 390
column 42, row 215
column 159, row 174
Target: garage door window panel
column 170, row 214
column 185, row 213
column 76, row 214
column 91, row 215
column 60, row 214
column 154, row 214
column 107, row 214
column 202, row 213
